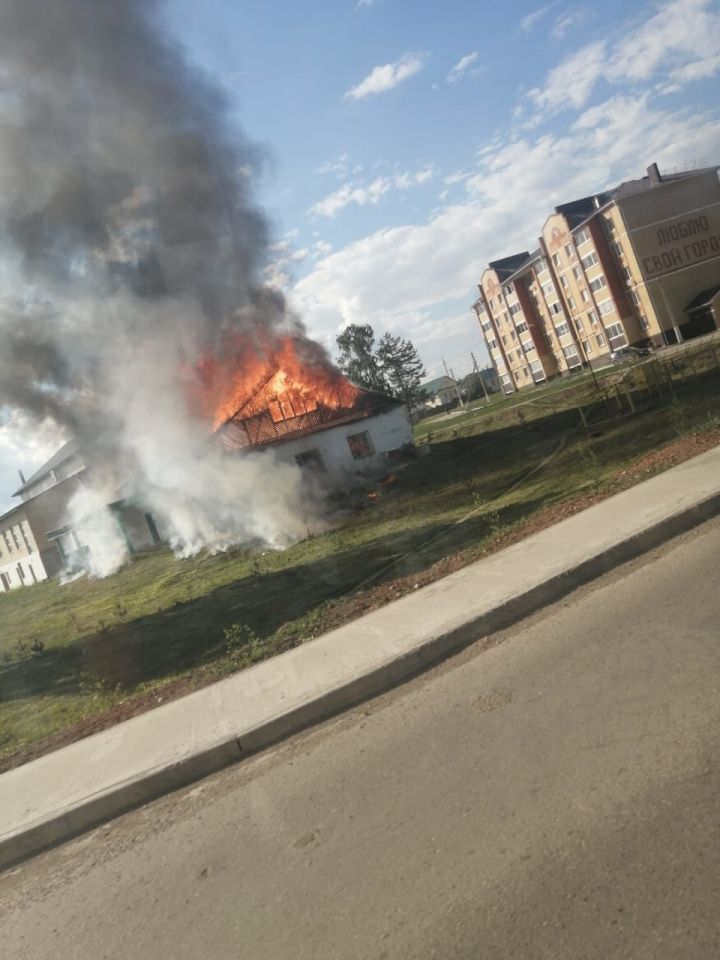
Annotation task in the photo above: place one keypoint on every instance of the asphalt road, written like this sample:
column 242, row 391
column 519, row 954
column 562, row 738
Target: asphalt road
column 550, row 793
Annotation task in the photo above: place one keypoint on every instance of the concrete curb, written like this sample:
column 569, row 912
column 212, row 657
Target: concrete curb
column 177, row 761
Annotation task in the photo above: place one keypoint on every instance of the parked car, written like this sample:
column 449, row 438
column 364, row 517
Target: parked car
column 629, row 353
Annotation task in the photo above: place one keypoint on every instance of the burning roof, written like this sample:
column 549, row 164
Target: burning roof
column 263, row 397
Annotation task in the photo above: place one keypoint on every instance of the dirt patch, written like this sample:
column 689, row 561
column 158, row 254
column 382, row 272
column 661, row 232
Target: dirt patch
column 350, row 608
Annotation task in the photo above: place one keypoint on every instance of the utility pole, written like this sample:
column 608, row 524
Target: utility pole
column 448, row 374
column 477, row 371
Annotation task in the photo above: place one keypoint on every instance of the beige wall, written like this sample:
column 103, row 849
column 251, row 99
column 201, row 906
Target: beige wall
column 674, row 228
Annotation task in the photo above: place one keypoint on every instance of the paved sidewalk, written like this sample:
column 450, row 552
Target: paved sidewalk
column 62, row 794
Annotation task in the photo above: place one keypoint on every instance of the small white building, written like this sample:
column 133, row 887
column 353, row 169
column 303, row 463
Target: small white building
column 346, row 444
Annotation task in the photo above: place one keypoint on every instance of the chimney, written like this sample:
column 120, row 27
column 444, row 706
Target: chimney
column 653, row 173
column 22, row 478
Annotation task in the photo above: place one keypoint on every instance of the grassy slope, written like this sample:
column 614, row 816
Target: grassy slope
column 158, row 618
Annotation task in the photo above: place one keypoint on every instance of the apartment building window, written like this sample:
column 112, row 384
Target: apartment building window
column 513, row 335
column 598, row 283
column 571, row 303
column 505, row 318
column 521, row 327
column 581, row 236
column 589, row 260
column 515, row 308
column 492, row 343
column 564, row 282
column 541, row 265
column 585, row 295
column 15, row 538
column 644, row 325
column 628, row 276
column 592, row 317
column 555, row 308
column 577, row 273
column 600, row 339
column 617, row 249
column 607, row 306
column 610, row 226
column 519, row 354
column 569, row 250
column 556, row 259
column 506, row 380
column 562, row 329
column 507, row 290
column 616, row 335
column 571, row 355
column 486, row 325
column 504, row 339
column 548, row 288
column 527, row 345
column 579, row 323
column 587, row 347
column 536, row 366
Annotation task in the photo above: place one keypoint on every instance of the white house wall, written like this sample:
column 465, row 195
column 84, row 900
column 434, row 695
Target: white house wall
column 388, row 431
column 30, row 563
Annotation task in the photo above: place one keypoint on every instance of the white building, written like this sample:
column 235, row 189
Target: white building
column 344, row 444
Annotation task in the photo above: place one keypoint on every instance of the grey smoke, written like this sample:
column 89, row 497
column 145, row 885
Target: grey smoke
column 131, row 246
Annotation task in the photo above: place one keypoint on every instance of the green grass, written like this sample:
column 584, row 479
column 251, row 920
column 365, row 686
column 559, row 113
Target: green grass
column 104, row 641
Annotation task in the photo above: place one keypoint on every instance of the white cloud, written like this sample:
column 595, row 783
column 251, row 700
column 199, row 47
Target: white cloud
column 568, row 20
column 529, row 21
column 681, row 40
column 572, row 81
column 365, row 3
column 388, row 76
column 462, row 66
column 351, row 193
column 428, row 270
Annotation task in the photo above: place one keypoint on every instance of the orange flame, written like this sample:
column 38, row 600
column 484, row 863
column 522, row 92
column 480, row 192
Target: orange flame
column 287, row 377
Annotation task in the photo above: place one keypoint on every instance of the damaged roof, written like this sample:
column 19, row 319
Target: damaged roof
column 262, row 430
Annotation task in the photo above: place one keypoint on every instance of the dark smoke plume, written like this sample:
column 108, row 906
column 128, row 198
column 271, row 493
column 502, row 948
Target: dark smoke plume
column 132, row 247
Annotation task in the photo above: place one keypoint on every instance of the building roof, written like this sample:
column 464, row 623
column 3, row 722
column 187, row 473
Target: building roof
column 66, row 451
column 506, row 266
column 703, row 299
column 630, row 188
column 261, row 430
column 434, row 386
column 578, row 211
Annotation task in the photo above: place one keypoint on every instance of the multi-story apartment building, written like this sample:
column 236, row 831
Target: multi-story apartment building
column 625, row 267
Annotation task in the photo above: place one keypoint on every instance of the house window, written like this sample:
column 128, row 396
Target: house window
column 360, row 445
column 310, row 460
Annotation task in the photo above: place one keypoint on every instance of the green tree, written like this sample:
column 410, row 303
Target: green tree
column 402, row 367
column 358, row 360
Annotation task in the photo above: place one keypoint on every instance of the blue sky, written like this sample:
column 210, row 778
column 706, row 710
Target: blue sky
column 406, row 143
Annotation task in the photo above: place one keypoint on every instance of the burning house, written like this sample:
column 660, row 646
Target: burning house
column 314, row 417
